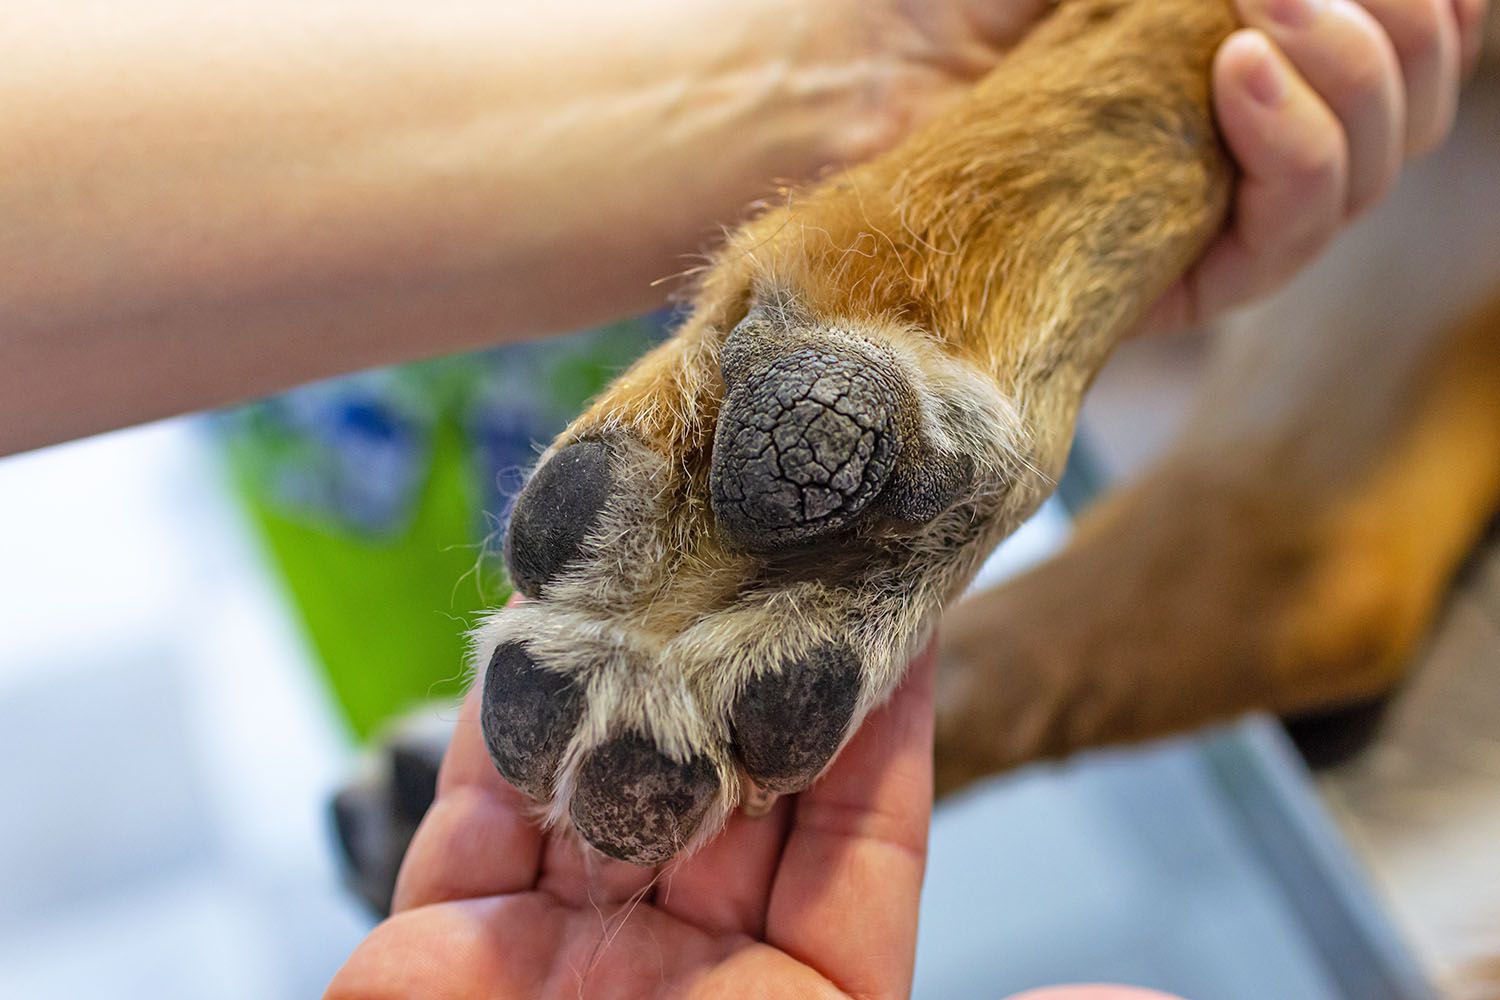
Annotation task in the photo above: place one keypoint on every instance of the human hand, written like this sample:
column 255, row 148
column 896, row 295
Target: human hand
column 816, row 899
column 1320, row 102
column 907, row 60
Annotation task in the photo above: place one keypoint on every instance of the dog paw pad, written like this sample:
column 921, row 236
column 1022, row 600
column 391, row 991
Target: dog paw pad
column 810, row 432
column 634, row 803
column 788, row 724
column 555, row 512
column 527, row 716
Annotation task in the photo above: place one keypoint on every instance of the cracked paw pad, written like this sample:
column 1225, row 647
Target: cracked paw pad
column 554, row 514
column 788, row 724
column 819, row 429
column 527, row 716
column 636, row 804
column 804, row 443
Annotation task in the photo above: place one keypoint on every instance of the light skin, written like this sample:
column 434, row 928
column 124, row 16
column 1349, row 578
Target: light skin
column 1321, row 102
column 227, row 199
column 202, row 203
column 818, row 899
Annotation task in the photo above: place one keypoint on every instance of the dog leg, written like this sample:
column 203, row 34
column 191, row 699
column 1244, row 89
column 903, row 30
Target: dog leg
column 733, row 554
column 1290, row 552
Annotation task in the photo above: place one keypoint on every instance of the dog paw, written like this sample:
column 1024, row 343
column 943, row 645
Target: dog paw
column 730, row 559
column 733, row 554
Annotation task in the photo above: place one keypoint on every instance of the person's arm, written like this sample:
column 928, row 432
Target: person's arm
column 201, row 203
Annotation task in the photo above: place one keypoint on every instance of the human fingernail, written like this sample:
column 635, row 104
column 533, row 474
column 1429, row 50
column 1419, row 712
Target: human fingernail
column 1266, row 80
column 1295, row 13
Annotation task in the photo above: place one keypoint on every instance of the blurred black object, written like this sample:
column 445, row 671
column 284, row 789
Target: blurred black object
column 376, row 813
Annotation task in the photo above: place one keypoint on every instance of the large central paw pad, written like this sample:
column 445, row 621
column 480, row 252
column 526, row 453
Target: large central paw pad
column 707, row 625
column 817, row 429
column 804, row 443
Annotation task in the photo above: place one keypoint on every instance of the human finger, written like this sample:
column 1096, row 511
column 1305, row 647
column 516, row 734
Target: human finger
column 845, row 898
column 1291, row 199
column 580, row 876
column 1427, row 41
column 726, row 886
column 1471, row 26
column 1346, row 58
column 478, row 837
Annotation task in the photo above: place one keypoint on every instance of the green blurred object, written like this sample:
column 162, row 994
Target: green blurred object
column 380, row 497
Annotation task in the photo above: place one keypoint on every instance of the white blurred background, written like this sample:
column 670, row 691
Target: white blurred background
column 166, row 754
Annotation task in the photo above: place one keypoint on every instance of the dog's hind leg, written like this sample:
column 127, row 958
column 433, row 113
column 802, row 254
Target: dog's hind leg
column 1234, row 580
column 1293, row 548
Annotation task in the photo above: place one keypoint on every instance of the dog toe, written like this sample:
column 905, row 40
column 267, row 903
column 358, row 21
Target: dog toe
column 555, row 512
column 528, row 714
column 635, row 804
column 788, row 723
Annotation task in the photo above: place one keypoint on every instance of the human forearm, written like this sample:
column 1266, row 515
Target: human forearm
column 200, row 203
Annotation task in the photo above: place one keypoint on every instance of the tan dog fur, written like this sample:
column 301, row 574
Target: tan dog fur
column 996, row 256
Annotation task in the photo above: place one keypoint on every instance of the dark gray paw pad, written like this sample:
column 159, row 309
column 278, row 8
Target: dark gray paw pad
column 634, row 803
column 789, row 723
column 554, row 514
column 928, row 486
column 805, row 442
column 527, row 716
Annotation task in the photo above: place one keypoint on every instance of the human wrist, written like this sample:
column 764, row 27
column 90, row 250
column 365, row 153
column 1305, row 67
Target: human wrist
column 889, row 65
column 835, row 82
column 797, row 85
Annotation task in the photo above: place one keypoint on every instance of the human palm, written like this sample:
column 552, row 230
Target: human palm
column 816, row 899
